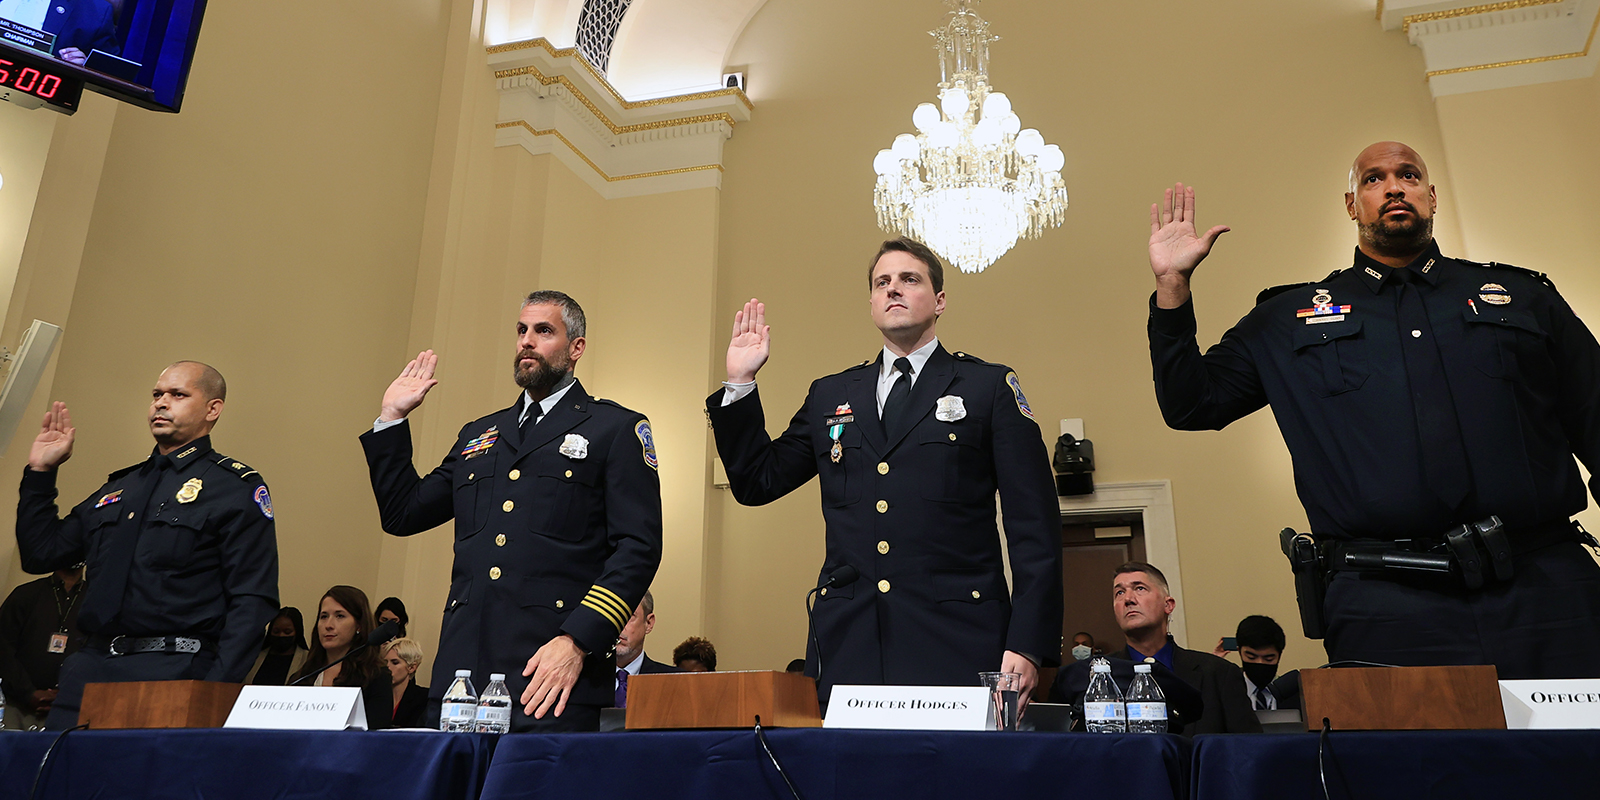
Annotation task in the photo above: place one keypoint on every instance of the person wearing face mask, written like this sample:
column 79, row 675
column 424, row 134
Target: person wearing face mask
column 283, row 652
column 1261, row 642
column 1082, row 646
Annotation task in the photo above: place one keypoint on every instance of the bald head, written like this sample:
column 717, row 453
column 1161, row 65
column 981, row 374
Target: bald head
column 1386, row 150
column 206, row 378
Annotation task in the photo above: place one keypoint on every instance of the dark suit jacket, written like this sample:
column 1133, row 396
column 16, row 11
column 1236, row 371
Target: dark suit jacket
column 914, row 511
column 412, row 709
column 652, row 666
column 547, row 542
column 1287, row 690
column 1221, row 685
column 84, row 24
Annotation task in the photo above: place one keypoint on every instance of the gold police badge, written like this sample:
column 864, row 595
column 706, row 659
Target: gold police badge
column 189, row 491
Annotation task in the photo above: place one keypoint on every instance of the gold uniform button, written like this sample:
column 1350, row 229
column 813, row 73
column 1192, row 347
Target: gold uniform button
column 883, row 548
column 883, row 586
column 883, row 468
column 824, row 591
column 952, row 437
column 494, row 573
column 471, row 475
column 569, row 473
column 130, row 515
column 975, row 594
column 500, row 541
column 561, row 604
column 508, row 505
column 883, row 505
column 514, row 474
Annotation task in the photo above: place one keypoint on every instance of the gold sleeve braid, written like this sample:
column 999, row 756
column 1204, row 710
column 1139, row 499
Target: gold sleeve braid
column 608, row 605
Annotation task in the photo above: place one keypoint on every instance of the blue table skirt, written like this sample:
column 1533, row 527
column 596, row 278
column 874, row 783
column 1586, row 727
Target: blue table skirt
column 243, row 765
column 842, row 764
column 1497, row 765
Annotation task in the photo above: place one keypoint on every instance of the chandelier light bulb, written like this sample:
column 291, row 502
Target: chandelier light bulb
column 1052, row 159
column 884, row 163
column 996, row 105
column 987, row 132
column 925, row 117
column 1009, row 124
column 955, row 103
column 905, row 147
column 944, row 135
column 1030, row 143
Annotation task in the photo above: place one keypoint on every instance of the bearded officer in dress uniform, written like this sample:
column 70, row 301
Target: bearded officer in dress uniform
column 557, row 507
column 182, row 548
column 910, row 449
column 1416, row 393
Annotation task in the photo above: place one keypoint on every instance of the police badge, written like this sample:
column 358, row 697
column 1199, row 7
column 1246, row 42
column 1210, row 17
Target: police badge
column 575, row 446
column 951, row 408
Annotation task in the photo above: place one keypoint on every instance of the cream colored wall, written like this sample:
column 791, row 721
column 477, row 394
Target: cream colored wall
column 1261, row 105
column 25, row 135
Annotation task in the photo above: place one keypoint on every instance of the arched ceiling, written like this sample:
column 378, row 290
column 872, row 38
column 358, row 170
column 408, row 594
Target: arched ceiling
column 664, row 47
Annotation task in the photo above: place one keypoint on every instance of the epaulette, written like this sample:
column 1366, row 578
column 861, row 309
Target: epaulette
column 244, row 472
column 121, row 472
column 1274, row 291
column 969, row 357
column 1538, row 276
column 859, row 366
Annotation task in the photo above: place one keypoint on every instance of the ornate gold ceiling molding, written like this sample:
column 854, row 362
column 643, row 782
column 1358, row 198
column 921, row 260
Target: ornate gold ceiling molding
column 596, row 167
column 533, row 72
column 1587, row 45
column 572, row 53
column 1452, row 13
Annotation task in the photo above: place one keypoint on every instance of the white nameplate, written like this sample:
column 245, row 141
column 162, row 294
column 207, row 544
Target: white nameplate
column 911, row 708
column 299, row 708
column 1551, row 704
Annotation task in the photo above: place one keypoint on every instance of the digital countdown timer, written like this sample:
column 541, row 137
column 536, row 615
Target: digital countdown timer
column 34, row 82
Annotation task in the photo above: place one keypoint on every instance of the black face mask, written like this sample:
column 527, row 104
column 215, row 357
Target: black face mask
column 280, row 644
column 1260, row 674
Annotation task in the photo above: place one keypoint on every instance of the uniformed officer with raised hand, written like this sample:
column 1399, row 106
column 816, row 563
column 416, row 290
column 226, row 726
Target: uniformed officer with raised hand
column 181, row 546
column 910, row 449
column 557, row 509
column 1416, row 393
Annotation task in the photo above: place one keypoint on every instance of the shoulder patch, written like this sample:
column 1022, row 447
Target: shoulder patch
column 244, row 472
column 648, row 442
column 1016, row 390
column 1538, row 276
column 264, row 501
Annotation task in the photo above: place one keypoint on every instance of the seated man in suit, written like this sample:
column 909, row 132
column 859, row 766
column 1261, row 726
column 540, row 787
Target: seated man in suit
column 1143, row 607
column 631, row 659
column 1261, row 643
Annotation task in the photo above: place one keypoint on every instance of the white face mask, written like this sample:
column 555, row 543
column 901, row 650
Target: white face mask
column 1081, row 652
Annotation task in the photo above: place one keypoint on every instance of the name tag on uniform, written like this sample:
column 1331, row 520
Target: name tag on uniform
column 299, row 708
column 911, row 708
column 1551, row 704
column 58, row 643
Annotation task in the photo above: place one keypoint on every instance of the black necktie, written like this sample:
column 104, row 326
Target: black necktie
column 894, row 406
column 1263, row 699
column 103, row 602
column 531, row 418
column 1444, row 458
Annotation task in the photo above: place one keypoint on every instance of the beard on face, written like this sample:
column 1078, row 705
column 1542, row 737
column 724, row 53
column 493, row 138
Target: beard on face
column 1398, row 237
column 543, row 375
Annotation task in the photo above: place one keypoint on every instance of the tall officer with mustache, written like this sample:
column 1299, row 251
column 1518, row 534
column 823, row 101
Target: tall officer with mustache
column 1416, row 393
column 557, row 507
column 910, row 448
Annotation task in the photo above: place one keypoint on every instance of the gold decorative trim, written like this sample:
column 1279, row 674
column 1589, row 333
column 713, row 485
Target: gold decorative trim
column 572, row 52
column 601, row 115
column 1487, row 8
column 1521, row 61
column 1379, row 15
column 596, row 167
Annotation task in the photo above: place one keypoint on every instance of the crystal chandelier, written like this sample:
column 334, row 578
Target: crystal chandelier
column 971, row 181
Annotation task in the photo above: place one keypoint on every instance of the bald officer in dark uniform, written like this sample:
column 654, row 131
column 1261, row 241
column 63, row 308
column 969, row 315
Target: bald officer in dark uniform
column 910, row 449
column 181, row 546
column 557, row 507
column 1416, row 393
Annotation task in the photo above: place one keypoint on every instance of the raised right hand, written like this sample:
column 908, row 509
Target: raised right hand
column 406, row 393
column 751, row 344
column 53, row 446
column 1175, row 248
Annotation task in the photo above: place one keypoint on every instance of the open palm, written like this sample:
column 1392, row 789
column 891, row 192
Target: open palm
column 53, row 446
column 1175, row 246
column 751, row 343
column 407, row 391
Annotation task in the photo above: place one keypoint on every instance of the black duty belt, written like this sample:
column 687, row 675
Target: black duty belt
column 131, row 645
column 1480, row 552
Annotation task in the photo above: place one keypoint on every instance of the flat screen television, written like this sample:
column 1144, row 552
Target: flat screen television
column 137, row 51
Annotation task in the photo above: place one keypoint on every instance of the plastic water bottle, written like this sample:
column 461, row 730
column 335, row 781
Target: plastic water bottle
column 1103, row 711
column 494, row 706
column 459, row 710
column 1147, row 706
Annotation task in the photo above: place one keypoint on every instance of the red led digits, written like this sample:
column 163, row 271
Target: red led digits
column 48, row 86
column 27, row 79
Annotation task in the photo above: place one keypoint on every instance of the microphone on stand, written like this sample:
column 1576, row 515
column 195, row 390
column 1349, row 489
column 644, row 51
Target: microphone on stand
column 841, row 576
column 383, row 633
